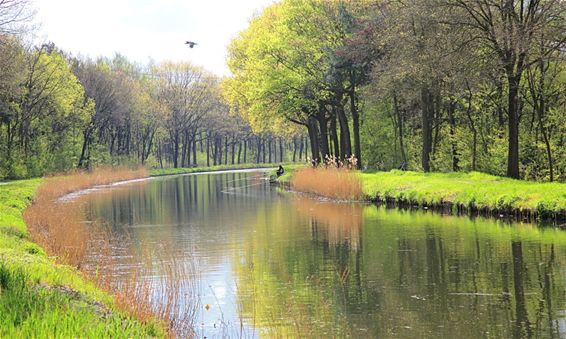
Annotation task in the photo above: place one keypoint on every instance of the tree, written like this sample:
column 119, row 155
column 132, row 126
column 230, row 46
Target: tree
column 184, row 89
column 14, row 14
column 512, row 29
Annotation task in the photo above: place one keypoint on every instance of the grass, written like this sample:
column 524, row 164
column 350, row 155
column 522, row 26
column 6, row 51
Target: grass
column 30, row 310
column 470, row 191
column 464, row 192
column 42, row 298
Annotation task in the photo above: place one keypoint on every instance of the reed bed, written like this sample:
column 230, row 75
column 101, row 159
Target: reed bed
column 336, row 183
column 60, row 228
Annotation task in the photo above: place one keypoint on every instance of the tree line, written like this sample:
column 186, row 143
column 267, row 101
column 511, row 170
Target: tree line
column 59, row 112
column 432, row 85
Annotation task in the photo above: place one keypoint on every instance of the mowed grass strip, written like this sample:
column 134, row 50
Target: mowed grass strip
column 472, row 190
column 42, row 299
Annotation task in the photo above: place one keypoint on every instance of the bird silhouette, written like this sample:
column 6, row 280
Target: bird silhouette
column 191, row 44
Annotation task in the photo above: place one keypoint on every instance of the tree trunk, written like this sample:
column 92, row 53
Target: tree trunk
column 334, row 133
column 400, row 120
column 355, row 122
column 513, row 115
column 245, row 151
column 452, row 121
column 281, row 150
column 294, row 149
column 264, row 151
column 427, row 116
column 269, row 144
column 207, row 150
column 345, row 143
column 184, row 150
column 233, row 148
column 239, row 152
column 195, row 162
column 541, row 113
column 176, row 150
column 323, row 141
column 474, row 131
column 313, row 137
column 301, row 148
column 159, row 154
column 82, row 159
column 191, row 142
column 258, row 155
column 226, row 150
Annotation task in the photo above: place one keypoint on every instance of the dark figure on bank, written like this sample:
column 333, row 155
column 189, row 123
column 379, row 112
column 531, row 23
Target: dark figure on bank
column 280, row 171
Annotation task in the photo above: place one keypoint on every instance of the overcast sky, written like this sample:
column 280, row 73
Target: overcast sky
column 144, row 29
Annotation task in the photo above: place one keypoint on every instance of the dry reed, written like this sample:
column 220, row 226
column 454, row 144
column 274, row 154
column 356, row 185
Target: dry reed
column 60, row 228
column 336, row 183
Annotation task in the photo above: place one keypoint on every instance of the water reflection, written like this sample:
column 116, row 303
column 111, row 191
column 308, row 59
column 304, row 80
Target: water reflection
column 279, row 265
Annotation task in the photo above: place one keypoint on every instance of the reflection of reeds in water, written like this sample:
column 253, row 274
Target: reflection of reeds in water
column 336, row 183
column 161, row 287
column 60, row 228
column 341, row 223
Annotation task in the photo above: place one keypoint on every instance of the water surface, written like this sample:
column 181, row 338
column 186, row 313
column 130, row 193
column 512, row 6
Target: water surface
column 272, row 264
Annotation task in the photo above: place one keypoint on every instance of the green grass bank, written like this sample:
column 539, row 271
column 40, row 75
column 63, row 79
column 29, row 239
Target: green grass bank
column 468, row 192
column 42, row 299
column 471, row 193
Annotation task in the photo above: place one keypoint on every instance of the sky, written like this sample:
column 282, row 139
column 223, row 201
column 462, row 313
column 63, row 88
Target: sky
column 145, row 30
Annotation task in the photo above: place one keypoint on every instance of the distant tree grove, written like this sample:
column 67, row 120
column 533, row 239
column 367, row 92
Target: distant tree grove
column 429, row 85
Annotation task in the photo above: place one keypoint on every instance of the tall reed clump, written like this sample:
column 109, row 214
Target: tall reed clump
column 329, row 181
column 60, row 229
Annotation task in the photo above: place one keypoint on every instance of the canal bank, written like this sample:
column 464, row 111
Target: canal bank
column 34, row 279
column 41, row 298
column 461, row 193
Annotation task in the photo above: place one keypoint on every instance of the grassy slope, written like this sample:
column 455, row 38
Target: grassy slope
column 29, row 307
column 472, row 190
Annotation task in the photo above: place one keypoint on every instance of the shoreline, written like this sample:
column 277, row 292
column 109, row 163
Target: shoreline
column 65, row 289
column 472, row 194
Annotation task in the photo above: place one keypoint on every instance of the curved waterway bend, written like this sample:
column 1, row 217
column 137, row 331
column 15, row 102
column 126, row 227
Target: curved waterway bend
column 270, row 264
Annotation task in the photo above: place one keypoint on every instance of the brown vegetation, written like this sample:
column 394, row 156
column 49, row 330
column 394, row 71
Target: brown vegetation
column 59, row 226
column 336, row 183
column 337, row 222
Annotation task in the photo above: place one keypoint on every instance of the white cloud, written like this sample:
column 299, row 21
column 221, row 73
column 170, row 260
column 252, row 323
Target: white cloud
column 144, row 29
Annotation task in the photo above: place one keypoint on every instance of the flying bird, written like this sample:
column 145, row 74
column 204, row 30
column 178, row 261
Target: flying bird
column 191, row 44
